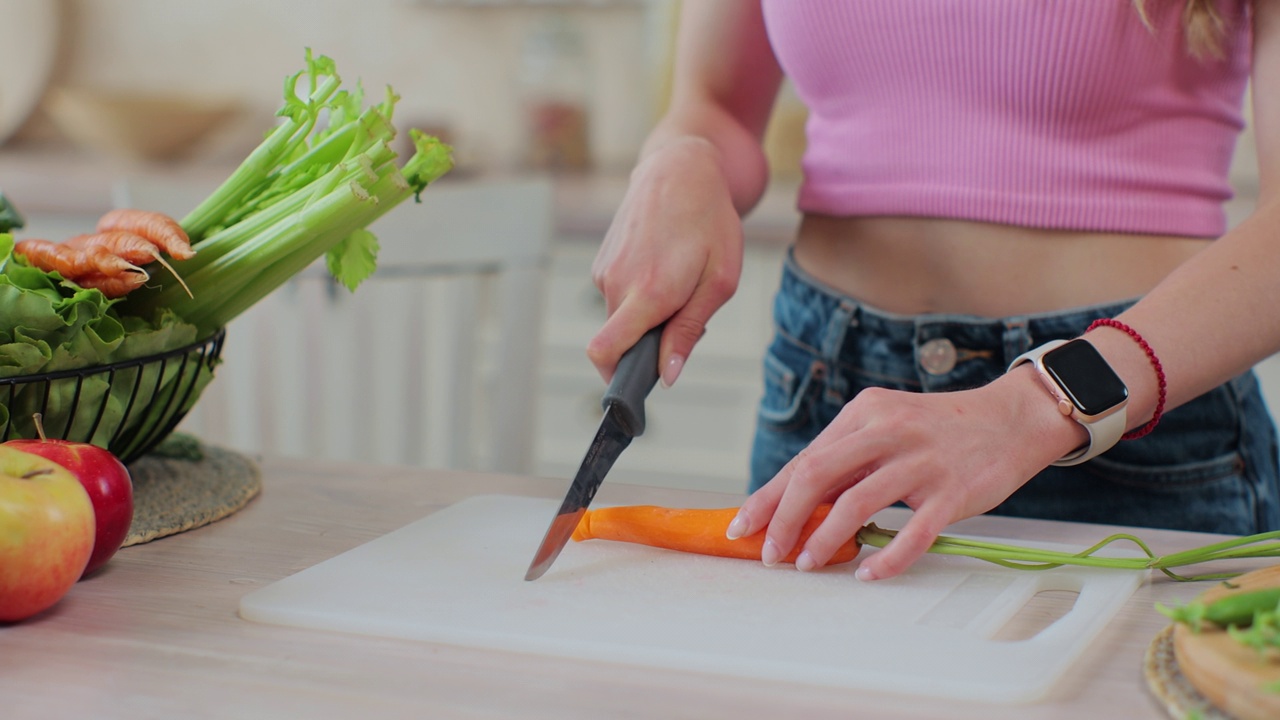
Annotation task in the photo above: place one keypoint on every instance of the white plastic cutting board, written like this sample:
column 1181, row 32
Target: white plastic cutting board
column 457, row 576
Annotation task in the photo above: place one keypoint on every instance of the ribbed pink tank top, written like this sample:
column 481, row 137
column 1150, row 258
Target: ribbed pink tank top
column 1044, row 113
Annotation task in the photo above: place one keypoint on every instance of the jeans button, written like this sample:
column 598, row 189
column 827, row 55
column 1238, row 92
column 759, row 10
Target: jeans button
column 938, row 356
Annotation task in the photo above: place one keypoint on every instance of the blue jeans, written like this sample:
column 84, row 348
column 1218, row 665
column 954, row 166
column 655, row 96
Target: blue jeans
column 1210, row 465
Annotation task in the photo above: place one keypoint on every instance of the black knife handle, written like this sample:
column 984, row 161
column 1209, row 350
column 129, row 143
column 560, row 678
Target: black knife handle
column 636, row 375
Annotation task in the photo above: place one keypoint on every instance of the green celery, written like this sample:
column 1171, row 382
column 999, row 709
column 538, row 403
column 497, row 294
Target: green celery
column 1025, row 558
column 300, row 119
column 345, row 140
column 243, row 263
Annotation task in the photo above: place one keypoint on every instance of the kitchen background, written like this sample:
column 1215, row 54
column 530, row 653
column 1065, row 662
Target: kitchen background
column 96, row 91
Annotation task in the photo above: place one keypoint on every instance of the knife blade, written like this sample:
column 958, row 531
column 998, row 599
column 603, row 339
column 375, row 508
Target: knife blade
column 623, row 421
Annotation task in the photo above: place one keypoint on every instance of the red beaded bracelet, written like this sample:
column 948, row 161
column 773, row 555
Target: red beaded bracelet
column 1155, row 363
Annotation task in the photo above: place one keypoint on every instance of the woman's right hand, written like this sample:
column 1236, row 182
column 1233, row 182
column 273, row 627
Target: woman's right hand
column 673, row 253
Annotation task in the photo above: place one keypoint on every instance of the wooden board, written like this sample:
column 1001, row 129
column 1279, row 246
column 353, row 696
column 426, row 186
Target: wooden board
column 1233, row 677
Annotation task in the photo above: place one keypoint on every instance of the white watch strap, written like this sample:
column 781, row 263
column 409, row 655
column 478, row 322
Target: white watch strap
column 1104, row 433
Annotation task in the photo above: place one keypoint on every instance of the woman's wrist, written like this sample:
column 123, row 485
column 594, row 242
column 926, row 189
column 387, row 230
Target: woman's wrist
column 1101, row 386
column 1035, row 409
column 1135, row 366
column 1156, row 366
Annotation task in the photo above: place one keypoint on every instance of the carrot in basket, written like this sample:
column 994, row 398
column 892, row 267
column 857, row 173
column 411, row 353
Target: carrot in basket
column 694, row 531
column 128, row 245
column 71, row 262
column 156, row 227
column 113, row 286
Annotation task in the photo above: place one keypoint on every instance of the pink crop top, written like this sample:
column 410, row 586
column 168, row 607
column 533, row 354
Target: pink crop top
column 1044, row 113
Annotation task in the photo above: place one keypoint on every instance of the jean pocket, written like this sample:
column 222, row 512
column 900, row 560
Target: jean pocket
column 1195, row 445
column 791, row 378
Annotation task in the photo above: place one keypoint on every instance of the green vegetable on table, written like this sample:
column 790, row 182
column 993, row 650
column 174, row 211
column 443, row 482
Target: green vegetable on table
column 1019, row 557
column 1262, row 632
column 1239, row 609
column 1250, row 617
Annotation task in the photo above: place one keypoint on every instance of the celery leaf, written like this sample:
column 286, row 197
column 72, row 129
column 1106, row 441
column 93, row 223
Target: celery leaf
column 353, row 259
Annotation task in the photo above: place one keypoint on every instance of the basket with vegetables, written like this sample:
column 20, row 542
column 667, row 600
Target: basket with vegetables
column 112, row 336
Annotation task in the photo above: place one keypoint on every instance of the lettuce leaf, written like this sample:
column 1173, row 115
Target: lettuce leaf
column 49, row 325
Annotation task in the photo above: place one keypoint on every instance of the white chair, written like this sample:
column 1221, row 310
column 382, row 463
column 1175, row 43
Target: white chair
column 433, row 361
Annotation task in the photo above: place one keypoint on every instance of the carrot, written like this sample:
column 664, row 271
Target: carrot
column 156, row 227
column 693, row 530
column 128, row 245
column 113, row 286
column 133, row 248
column 71, row 262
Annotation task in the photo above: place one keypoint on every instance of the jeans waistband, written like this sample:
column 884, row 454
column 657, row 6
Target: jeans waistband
column 1007, row 336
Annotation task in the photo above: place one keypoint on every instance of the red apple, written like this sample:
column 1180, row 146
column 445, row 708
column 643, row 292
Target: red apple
column 107, row 481
column 46, row 533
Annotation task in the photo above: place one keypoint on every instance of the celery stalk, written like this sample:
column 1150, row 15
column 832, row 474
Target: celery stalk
column 305, row 191
column 301, row 117
column 1025, row 558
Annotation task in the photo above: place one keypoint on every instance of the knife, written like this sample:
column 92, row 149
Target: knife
column 623, row 420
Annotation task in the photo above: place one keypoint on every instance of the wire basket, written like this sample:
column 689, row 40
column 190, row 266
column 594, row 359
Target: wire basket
column 128, row 407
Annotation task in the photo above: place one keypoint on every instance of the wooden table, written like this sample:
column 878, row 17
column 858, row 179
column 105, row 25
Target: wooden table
column 156, row 634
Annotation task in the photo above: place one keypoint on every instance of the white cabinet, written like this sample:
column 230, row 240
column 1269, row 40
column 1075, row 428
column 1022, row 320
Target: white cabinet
column 698, row 432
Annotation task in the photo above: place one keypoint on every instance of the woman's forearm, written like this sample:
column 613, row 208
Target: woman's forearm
column 726, row 80
column 1193, row 319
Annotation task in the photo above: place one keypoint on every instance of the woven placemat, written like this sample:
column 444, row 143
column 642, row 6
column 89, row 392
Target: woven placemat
column 1175, row 692
column 185, row 484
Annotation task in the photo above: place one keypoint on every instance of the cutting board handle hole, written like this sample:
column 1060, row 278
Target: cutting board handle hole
column 1043, row 610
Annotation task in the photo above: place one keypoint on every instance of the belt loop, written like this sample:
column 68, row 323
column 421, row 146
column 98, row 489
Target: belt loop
column 1017, row 338
column 833, row 339
column 842, row 318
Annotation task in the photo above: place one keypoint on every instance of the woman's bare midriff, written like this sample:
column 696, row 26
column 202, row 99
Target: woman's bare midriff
column 926, row 265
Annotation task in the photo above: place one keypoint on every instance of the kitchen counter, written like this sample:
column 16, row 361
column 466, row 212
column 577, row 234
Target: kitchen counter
column 156, row 634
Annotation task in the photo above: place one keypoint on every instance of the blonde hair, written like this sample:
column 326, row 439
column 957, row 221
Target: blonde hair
column 1204, row 25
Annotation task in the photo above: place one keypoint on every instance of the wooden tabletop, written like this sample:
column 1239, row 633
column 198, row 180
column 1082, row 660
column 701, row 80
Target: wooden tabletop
column 156, row 634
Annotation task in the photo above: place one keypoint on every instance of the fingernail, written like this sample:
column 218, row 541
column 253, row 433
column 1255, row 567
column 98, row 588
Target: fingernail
column 770, row 555
column 672, row 371
column 805, row 562
column 864, row 573
column 738, row 527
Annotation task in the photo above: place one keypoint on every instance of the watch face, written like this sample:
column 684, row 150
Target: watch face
column 1089, row 382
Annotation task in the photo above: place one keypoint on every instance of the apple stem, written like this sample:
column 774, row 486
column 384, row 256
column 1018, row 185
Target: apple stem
column 37, row 473
column 39, row 421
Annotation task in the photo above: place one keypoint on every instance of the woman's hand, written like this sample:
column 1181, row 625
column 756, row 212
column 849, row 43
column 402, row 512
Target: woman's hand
column 948, row 456
column 674, row 250
column 673, row 253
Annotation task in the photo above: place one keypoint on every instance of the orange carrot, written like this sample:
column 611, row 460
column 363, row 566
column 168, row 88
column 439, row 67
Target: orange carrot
column 128, row 245
column 694, row 531
column 156, row 227
column 113, row 286
column 71, row 262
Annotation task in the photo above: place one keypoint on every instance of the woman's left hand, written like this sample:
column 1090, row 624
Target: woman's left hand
column 947, row 456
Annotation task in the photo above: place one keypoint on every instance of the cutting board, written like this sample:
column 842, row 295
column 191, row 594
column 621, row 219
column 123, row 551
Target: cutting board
column 457, row 577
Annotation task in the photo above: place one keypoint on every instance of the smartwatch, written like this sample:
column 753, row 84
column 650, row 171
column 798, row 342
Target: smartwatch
column 1086, row 389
